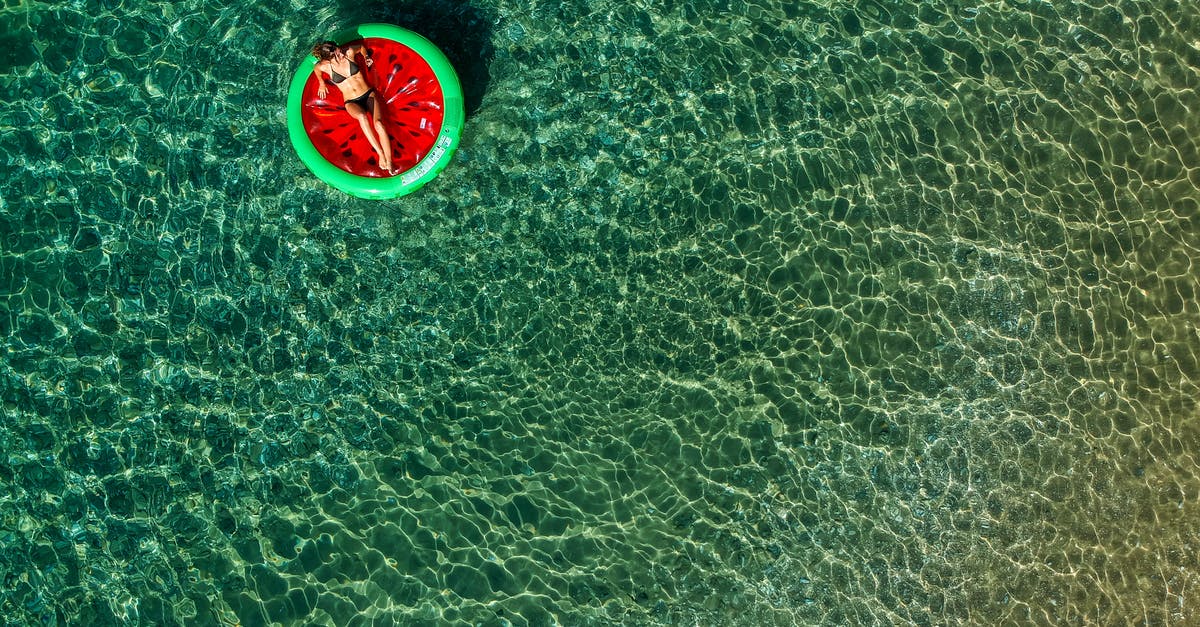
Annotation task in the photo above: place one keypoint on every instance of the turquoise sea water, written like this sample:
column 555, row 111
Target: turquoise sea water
column 725, row 313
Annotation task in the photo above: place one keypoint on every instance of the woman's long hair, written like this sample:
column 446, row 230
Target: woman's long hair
column 324, row 50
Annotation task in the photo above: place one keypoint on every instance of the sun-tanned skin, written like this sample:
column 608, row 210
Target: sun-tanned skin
column 361, row 103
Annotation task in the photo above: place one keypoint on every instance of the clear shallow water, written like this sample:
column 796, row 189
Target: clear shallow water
column 725, row 313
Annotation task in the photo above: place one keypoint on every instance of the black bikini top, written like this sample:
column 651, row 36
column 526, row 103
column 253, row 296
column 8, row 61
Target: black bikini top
column 337, row 78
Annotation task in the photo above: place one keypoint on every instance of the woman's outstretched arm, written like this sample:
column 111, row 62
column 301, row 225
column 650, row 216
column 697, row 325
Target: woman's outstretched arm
column 322, row 88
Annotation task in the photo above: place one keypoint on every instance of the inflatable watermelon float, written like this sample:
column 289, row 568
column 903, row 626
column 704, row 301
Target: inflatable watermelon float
column 423, row 105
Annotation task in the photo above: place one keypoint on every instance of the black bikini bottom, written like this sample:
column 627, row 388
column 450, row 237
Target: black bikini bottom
column 363, row 100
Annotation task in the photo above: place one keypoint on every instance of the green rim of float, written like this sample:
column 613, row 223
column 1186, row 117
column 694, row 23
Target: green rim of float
column 424, row 170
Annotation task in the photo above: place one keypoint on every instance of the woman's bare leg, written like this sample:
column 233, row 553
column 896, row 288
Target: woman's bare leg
column 384, row 140
column 359, row 113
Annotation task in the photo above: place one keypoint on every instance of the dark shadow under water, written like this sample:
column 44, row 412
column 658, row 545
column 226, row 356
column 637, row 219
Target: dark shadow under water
column 462, row 31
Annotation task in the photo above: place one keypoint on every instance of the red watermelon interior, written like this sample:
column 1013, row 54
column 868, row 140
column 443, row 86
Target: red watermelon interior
column 412, row 100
